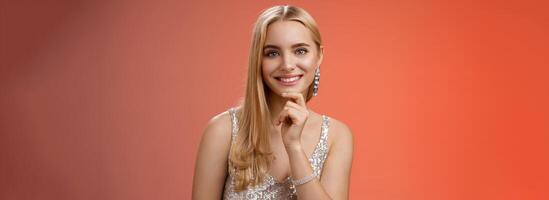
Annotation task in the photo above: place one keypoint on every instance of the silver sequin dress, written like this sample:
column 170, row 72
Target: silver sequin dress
column 271, row 188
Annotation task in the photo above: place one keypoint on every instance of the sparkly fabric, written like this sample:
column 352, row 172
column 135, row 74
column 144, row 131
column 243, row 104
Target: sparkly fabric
column 270, row 188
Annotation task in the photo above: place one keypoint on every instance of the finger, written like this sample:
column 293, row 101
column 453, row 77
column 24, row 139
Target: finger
column 296, row 106
column 297, row 113
column 288, row 115
column 296, row 97
column 282, row 116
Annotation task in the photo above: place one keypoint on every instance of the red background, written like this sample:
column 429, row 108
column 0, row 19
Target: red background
column 108, row 99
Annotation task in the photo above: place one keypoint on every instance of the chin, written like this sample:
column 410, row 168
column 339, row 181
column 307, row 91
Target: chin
column 288, row 90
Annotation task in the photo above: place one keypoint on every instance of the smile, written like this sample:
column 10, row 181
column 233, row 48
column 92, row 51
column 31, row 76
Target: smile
column 289, row 80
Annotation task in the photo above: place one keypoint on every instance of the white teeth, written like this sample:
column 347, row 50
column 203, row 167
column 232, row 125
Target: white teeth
column 291, row 79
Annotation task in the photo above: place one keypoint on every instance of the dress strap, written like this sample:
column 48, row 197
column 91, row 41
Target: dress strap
column 234, row 124
column 234, row 132
column 321, row 150
column 325, row 130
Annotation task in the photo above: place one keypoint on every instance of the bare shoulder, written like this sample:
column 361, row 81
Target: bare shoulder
column 211, row 161
column 340, row 133
column 217, row 133
column 221, row 121
column 219, row 127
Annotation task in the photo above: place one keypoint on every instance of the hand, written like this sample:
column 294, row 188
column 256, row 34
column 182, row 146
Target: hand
column 292, row 117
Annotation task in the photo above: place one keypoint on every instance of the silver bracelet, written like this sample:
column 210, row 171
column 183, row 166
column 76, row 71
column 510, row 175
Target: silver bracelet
column 304, row 180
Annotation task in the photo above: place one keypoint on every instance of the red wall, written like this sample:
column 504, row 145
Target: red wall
column 108, row 99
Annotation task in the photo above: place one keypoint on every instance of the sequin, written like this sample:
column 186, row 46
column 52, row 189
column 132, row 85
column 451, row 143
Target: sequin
column 270, row 188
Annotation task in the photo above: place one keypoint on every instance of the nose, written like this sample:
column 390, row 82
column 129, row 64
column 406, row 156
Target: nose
column 288, row 63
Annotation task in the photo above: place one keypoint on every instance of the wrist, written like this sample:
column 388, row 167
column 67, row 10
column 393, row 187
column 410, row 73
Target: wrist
column 293, row 147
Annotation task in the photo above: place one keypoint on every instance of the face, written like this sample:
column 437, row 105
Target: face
column 290, row 57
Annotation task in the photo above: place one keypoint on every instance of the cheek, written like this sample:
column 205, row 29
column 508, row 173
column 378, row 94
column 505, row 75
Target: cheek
column 267, row 68
column 309, row 65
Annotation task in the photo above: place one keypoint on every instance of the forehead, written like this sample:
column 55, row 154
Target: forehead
column 287, row 33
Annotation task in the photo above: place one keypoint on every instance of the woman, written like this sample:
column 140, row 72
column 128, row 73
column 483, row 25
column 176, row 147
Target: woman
column 272, row 146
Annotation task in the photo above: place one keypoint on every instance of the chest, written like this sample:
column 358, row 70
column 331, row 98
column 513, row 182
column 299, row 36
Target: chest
column 280, row 166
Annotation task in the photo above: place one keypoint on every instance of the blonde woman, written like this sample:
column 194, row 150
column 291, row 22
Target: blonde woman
column 272, row 146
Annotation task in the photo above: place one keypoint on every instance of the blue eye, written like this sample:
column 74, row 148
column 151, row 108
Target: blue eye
column 271, row 54
column 301, row 51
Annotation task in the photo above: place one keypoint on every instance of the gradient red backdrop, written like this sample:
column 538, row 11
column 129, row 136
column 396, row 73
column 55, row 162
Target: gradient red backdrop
column 108, row 99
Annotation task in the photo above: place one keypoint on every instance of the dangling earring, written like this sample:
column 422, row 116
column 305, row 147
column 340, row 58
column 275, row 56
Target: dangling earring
column 316, row 81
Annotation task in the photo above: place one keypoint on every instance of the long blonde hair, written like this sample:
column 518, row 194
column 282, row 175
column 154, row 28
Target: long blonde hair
column 251, row 155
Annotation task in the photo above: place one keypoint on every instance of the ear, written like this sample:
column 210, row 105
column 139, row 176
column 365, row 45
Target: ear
column 320, row 55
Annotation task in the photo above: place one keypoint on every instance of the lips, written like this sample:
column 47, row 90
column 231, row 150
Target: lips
column 289, row 80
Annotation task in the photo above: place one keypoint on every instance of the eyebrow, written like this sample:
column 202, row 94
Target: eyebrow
column 293, row 46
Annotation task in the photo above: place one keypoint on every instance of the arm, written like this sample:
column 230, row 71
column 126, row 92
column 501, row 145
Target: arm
column 211, row 161
column 337, row 167
column 336, row 173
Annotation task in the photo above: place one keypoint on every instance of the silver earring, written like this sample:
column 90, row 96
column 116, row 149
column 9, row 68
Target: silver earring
column 316, row 81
